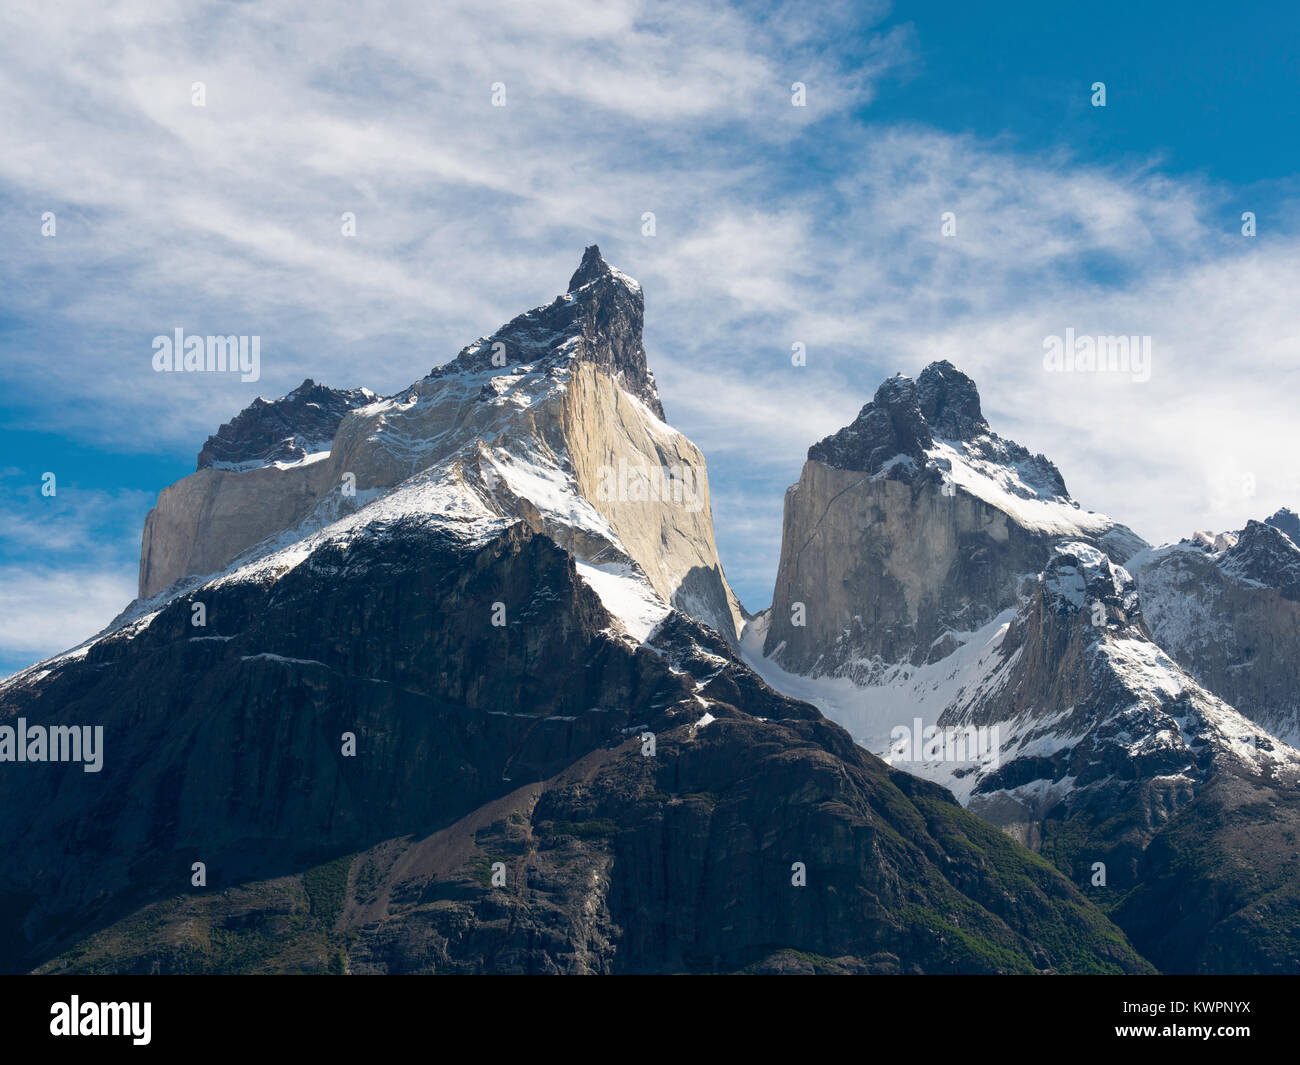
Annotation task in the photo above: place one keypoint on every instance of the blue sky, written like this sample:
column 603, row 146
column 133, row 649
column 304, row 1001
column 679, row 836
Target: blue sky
column 775, row 225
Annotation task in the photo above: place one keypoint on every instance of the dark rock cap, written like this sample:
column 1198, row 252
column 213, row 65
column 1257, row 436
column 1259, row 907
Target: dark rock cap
column 950, row 402
column 598, row 320
column 593, row 266
column 1264, row 553
column 286, row 430
column 905, row 419
column 889, row 426
column 1288, row 521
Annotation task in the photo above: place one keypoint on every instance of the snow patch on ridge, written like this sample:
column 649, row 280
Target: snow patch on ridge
column 627, row 595
column 870, row 713
column 1004, row 487
column 550, row 489
column 261, row 464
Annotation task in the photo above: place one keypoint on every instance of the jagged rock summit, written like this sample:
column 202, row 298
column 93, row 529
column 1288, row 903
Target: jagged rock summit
column 453, row 670
column 597, row 321
column 285, row 430
column 1265, row 554
column 896, row 433
column 1288, row 521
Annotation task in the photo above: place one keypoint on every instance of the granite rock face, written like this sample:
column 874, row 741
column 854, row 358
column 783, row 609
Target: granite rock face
column 204, row 521
column 942, row 596
column 911, row 526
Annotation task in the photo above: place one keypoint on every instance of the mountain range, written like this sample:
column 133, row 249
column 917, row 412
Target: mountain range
column 453, row 680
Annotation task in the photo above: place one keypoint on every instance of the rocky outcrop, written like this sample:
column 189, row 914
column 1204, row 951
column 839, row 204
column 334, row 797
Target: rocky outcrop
column 896, row 432
column 598, row 321
column 941, row 595
column 1288, row 521
column 287, row 430
column 1106, row 750
column 1265, row 555
column 1228, row 611
column 1077, row 660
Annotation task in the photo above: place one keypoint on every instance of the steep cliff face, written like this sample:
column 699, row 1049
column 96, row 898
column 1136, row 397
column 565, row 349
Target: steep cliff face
column 912, row 527
column 205, row 520
column 553, row 419
column 1227, row 610
column 259, row 474
column 650, row 483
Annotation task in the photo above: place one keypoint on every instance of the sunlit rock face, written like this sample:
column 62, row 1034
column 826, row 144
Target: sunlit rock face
column 553, row 419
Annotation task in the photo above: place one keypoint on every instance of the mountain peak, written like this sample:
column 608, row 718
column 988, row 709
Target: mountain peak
column 597, row 321
column 1265, row 554
column 1081, row 579
column 904, row 418
column 593, row 265
column 899, row 433
column 1288, row 521
column 287, row 429
column 950, row 402
column 891, row 425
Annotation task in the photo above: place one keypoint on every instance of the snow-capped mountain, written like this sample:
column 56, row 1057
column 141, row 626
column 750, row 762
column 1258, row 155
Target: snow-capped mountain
column 465, row 702
column 554, row 419
column 1227, row 609
column 913, row 527
column 942, row 597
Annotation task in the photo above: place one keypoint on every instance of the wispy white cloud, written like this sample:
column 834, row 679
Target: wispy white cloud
column 49, row 609
column 230, row 213
column 775, row 225
column 67, row 563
